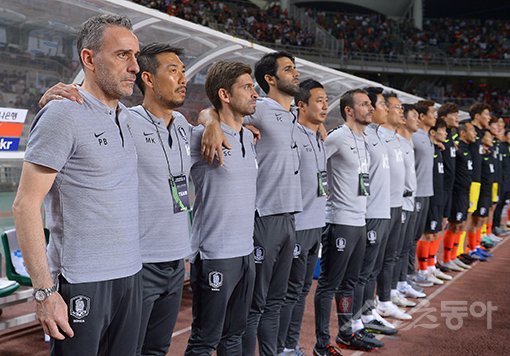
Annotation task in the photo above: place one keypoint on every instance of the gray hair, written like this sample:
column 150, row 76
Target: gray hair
column 91, row 32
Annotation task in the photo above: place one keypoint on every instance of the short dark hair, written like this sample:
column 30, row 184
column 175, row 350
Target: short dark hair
column 148, row 62
column 462, row 126
column 267, row 65
column 494, row 120
column 305, row 87
column 478, row 108
column 440, row 124
column 389, row 95
column 423, row 106
column 222, row 75
column 347, row 99
column 372, row 93
column 447, row 108
column 92, row 30
column 407, row 108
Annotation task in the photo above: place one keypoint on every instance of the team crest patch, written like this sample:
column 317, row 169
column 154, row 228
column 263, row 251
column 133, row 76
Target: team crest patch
column 340, row 244
column 458, row 217
column 418, row 206
column 372, row 236
column 79, row 306
column 259, row 253
column 297, row 250
column 345, row 305
column 433, row 225
column 483, row 210
column 215, row 280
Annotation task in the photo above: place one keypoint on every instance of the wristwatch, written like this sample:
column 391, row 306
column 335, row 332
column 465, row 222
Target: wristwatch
column 41, row 294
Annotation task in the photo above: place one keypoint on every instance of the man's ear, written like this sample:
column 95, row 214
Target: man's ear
column 87, row 57
column 271, row 80
column 224, row 95
column 147, row 79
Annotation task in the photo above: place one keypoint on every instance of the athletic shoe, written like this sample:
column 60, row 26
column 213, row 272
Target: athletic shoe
column 441, row 275
column 329, row 350
column 413, row 285
column 475, row 255
column 421, row 280
column 466, row 259
column 442, row 268
column 487, row 245
column 401, row 301
column 508, row 224
column 298, row 351
column 452, row 267
column 370, row 338
column 376, row 327
column 390, row 310
column 483, row 252
column 410, row 292
column 493, row 239
column 432, row 278
column 461, row 264
column 499, row 231
column 354, row 341
column 383, row 321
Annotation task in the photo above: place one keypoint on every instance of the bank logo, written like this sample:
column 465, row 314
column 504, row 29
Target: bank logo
column 79, row 306
column 215, row 280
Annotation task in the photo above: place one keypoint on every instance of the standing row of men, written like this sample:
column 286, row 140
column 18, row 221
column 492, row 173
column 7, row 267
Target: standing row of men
column 116, row 188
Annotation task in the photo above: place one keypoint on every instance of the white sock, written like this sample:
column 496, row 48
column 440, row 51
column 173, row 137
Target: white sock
column 431, row 269
column 386, row 304
column 357, row 325
column 367, row 318
column 401, row 285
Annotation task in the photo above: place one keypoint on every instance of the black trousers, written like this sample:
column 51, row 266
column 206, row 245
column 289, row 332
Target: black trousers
column 162, row 292
column 422, row 209
column 343, row 248
column 300, row 282
column 364, row 292
column 274, row 240
column 105, row 317
column 496, row 220
column 222, row 292
column 407, row 234
column 390, row 256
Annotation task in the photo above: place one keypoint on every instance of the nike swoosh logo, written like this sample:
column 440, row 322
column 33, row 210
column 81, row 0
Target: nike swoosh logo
column 148, row 134
column 99, row 134
column 374, row 144
column 353, row 148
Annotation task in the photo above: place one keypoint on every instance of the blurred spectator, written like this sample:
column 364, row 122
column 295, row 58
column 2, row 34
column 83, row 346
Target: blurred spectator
column 240, row 19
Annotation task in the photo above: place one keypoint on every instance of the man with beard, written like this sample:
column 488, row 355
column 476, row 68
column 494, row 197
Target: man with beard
column 223, row 269
column 343, row 241
column 278, row 197
column 162, row 139
column 278, row 193
column 81, row 160
column 377, row 222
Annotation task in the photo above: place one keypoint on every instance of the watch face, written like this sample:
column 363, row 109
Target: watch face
column 40, row 295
